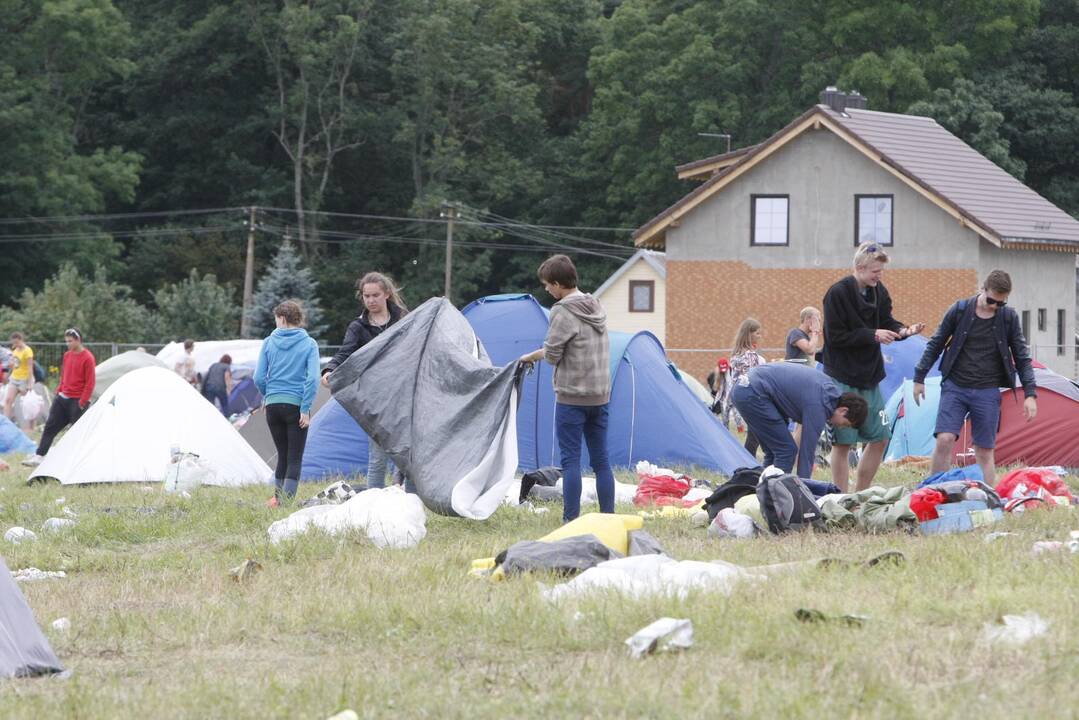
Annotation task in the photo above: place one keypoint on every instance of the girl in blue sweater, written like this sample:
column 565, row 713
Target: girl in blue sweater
column 287, row 377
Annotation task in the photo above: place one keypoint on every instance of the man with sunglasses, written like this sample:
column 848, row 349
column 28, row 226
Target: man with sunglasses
column 78, row 374
column 983, row 345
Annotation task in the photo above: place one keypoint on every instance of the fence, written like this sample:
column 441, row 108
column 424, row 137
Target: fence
column 50, row 354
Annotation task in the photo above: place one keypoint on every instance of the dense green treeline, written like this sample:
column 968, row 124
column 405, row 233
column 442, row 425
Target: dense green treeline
column 553, row 112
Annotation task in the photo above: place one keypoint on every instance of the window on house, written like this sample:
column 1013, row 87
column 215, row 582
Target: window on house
column 1060, row 332
column 1041, row 319
column 642, row 296
column 1026, row 325
column 769, row 220
column 873, row 219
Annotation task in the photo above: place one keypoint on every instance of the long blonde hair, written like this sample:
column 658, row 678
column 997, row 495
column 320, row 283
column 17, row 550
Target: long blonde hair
column 383, row 281
column 743, row 340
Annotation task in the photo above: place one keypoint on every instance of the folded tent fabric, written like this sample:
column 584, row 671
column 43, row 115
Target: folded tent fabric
column 24, row 651
column 426, row 392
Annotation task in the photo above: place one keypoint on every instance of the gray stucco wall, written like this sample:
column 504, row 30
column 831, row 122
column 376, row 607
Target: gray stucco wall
column 822, row 174
column 1039, row 280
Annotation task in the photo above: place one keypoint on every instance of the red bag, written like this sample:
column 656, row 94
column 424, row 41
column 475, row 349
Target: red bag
column 662, row 490
column 1041, row 483
column 924, row 501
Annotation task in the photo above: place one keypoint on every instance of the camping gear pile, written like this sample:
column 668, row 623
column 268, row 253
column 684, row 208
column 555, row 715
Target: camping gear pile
column 663, row 486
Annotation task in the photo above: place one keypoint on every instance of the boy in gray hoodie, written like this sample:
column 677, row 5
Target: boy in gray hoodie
column 578, row 347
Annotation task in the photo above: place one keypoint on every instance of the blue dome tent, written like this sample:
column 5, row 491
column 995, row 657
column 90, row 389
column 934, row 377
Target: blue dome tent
column 654, row 415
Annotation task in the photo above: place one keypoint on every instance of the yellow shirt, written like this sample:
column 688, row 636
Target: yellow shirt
column 24, row 363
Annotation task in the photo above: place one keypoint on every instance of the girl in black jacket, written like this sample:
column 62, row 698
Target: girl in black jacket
column 382, row 307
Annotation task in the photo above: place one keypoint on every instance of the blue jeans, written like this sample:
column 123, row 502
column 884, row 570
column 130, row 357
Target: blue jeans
column 377, row 462
column 571, row 422
column 983, row 406
column 766, row 422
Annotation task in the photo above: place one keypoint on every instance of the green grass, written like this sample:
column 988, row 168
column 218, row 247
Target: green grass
column 160, row 630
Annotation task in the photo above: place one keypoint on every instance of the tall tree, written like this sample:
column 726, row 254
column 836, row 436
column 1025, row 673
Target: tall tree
column 285, row 279
column 197, row 308
column 315, row 51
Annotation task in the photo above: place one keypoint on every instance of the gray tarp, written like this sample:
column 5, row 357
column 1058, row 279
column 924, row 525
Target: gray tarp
column 24, row 651
column 427, row 393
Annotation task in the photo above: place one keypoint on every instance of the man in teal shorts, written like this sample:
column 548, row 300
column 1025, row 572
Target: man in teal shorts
column 857, row 321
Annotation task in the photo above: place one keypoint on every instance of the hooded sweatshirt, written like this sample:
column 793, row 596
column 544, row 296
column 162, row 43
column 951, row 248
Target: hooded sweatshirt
column 287, row 370
column 578, row 347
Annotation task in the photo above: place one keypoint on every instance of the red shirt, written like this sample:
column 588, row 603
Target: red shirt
column 78, row 375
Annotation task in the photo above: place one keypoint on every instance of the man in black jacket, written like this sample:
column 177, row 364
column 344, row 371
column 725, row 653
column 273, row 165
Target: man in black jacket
column 983, row 345
column 857, row 321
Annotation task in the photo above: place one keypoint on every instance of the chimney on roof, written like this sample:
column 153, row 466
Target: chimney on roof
column 857, row 101
column 834, row 98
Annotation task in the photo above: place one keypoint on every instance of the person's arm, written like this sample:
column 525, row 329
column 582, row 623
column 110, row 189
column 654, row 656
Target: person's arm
column 350, row 345
column 534, row 356
column 260, row 371
column 89, row 376
column 937, row 343
column 228, row 382
column 30, row 381
column 810, row 346
column 561, row 331
column 1021, row 356
column 837, row 330
column 310, row 382
column 813, row 420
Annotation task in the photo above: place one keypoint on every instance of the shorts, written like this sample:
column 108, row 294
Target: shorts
column 981, row 404
column 20, row 386
column 876, row 426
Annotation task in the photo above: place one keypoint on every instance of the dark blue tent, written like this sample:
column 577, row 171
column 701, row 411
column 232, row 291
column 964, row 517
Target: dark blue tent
column 899, row 360
column 654, row 415
column 244, row 396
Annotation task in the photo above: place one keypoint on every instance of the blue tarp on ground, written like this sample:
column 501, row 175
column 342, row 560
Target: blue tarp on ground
column 14, row 440
column 653, row 415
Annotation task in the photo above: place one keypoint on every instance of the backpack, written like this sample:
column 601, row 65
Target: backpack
column 787, row 504
column 743, row 482
column 39, row 372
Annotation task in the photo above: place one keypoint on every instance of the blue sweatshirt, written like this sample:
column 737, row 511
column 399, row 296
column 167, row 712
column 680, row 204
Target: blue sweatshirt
column 802, row 394
column 287, row 370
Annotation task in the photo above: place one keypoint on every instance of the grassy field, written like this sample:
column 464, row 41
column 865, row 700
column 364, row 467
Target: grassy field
column 160, row 630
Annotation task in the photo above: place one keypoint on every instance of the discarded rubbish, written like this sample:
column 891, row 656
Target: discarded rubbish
column 32, row 574
column 809, row 615
column 60, row 500
column 345, row 715
column 730, row 523
column 389, row 517
column 69, row 512
column 55, row 524
column 1015, row 629
column 664, row 634
column 994, row 536
column 61, row 624
column 245, row 570
column 19, row 535
column 1043, row 547
column 650, row 575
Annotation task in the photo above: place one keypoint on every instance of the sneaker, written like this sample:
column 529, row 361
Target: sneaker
column 273, row 502
column 33, row 461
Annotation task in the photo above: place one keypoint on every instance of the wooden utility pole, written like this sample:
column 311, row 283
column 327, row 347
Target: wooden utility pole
column 450, row 213
column 249, row 275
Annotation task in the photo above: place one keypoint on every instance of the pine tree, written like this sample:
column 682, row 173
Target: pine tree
column 285, row 279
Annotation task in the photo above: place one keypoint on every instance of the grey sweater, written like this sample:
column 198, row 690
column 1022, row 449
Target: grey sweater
column 578, row 347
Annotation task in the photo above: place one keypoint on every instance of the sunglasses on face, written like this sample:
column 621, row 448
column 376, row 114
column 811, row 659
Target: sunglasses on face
column 991, row 301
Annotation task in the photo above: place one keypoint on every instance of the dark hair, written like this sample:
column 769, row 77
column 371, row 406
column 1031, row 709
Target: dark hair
column 189, row 344
column 226, row 359
column 291, row 311
column 998, row 281
column 857, row 408
column 73, row 332
column 16, row 336
column 558, row 269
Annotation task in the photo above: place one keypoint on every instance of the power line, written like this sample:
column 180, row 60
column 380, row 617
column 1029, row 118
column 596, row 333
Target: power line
column 116, row 216
column 125, row 234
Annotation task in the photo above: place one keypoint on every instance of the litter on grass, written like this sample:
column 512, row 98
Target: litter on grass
column 664, row 634
column 245, row 570
column 32, row 574
column 809, row 615
column 55, row 524
column 389, row 517
column 1015, row 629
column 61, row 624
column 19, row 535
column 650, row 575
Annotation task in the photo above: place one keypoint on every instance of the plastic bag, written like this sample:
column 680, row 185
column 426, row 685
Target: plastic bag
column 729, row 523
column 390, row 517
column 30, row 406
column 1015, row 629
column 1040, row 483
column 186, row 472
column 661, row 486
column 664, row 634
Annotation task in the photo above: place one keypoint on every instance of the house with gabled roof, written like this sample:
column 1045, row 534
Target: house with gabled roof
column 773, row 225
column 635, row 295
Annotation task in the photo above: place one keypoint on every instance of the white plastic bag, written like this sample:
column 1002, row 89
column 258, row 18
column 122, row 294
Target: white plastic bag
column 389, row 516
column 664, row 634
column 55, row 524
column 1015, row 629
column 730, row 523
column 186, row 472
column 19, row 535
column 30, row 406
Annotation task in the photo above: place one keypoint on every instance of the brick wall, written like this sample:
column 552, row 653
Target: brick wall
column 707, row 300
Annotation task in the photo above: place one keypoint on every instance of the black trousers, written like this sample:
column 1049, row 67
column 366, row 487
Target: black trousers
column 218, row 394
column 752, row 443
column 288, row 437
column 64, row 412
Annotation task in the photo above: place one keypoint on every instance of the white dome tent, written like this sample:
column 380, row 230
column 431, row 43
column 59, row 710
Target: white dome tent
column 127, row 436
column 207, row 352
